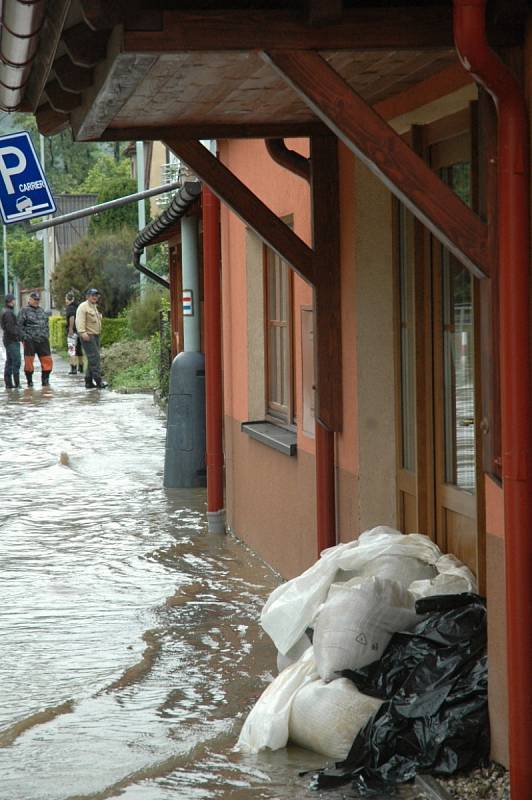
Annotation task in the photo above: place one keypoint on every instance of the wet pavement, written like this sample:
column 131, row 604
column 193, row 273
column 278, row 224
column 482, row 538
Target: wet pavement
column 130, row 646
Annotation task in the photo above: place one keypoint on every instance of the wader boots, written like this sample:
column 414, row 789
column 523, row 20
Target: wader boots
column 16, row 380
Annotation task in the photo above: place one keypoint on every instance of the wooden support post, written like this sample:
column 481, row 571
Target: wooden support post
column 326, row 246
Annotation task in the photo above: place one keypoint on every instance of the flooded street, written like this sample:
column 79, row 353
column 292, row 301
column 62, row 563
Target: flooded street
column 130, row 645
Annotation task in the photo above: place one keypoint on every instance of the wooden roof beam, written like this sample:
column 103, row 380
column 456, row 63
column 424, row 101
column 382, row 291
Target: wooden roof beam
column 246, row 205
column 70, row 77
column 49, row 121
column 60, row 100
column 215, row 130
column 395, row 28
column 383, row 151
column 85, row 46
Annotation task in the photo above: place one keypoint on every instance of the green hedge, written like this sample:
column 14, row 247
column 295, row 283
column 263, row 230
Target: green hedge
column 58, row 333
column 113, row 330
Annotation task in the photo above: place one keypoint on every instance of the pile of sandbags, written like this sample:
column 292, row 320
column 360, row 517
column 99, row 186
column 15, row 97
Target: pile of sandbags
column 338, row 615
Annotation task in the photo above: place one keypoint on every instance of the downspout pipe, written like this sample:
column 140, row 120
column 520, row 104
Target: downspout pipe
column 287, row 158
column 514, row 310
column 212, row 299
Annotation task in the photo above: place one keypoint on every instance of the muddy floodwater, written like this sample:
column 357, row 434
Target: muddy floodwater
column 130, row 649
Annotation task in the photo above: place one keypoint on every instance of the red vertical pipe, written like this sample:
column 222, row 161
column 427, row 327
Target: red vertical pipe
column 514, row 311
column 213, row 350
column 325, row 488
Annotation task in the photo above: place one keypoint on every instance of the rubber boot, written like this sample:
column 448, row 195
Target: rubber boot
column 100, row 384
column 89, row 384
column 45, row 378
column 8, row 382
column 80, row 369
column 29, row 378
column 16, row 380
column 72, row 370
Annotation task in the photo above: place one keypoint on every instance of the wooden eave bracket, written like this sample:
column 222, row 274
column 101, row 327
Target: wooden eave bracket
column 383, row 151
column 319, row 266
column 246, row 205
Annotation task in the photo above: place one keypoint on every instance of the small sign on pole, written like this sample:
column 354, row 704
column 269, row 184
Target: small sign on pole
column 188, row 303
column 24, row 191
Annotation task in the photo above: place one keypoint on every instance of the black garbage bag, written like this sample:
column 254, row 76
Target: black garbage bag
column 435, row 718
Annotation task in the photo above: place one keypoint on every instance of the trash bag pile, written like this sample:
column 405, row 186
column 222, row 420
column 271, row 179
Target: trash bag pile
column 382, row 664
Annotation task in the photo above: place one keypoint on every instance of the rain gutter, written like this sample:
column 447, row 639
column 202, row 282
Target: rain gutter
column 21, row 22
column 514, row 311
column 181, row 202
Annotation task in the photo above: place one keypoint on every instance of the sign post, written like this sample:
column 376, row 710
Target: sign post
column 24, row 192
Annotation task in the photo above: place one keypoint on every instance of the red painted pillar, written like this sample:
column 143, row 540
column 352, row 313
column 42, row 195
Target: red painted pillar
column 516, row 428
column 213, row 360
column 325, row 488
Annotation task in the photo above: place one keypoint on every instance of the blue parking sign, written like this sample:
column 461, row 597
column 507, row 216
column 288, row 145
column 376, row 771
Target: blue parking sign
column 24, row 192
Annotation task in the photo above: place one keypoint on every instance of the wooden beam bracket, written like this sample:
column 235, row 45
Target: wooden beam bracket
column 246, row 205
column 384, row 152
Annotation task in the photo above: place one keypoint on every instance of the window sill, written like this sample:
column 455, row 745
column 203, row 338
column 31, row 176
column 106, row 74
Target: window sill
column 272, row 435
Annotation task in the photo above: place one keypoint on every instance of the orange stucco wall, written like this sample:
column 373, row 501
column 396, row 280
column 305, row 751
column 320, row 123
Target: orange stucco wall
column 250, row 508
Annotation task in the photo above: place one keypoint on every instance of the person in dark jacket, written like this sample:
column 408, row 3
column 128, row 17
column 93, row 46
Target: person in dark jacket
column 12, row 339
column 33, row 321
column 75, row 353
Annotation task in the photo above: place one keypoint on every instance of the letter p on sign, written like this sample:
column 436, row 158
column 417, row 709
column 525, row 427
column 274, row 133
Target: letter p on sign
column 15, row 168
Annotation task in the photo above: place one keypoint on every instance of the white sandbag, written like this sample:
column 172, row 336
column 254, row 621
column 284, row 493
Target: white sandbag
column 326, row 717
column 400, row 568
column 294, row 654
column 267, row 722
column 453, row 578
column 356, row 623
column 292, row 606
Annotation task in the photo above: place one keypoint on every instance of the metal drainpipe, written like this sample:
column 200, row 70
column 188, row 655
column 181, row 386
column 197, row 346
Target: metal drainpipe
column 514, row 310
column 21, row 24
column 324, row 439
column 213, row 361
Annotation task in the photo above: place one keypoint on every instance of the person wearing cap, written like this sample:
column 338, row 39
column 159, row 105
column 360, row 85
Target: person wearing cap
column 33, row 320
column 89, row 326
column 75, row 353
column 12, row 340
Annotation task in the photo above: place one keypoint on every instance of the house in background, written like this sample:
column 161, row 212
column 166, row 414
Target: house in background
column 374, row 254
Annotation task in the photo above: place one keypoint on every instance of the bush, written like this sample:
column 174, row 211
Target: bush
column 113, row 330
column 124, row 355
column 58, row 340
column 143, row 314
column 105, row 261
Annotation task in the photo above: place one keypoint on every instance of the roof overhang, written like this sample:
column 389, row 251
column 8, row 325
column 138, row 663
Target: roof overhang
column 122, row 73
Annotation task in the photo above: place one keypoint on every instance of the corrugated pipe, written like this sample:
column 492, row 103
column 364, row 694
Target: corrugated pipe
column 183, row 198
column 514, row 311
column 21, row 24
column 181, row 202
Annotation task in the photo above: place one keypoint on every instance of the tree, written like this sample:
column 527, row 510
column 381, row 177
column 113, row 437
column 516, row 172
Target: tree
column 66, row 162
column 25, row 256
column 111, row 179
column 103, row 260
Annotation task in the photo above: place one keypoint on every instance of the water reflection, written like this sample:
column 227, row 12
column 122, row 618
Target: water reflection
column 130, row 647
